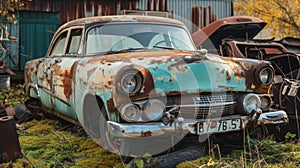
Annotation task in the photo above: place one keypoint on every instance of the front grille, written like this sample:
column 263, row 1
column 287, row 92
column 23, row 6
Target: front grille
column 203, row 106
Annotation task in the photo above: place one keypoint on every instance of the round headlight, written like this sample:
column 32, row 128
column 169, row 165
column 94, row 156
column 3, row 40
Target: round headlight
column 153, row 110
column 251, row 102
column 130, row 112
column 131, row 82
column 266, row 102
column 266, row 75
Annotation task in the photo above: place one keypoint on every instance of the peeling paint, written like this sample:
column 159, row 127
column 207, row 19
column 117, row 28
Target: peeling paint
column 228, row 75
column 163, row 73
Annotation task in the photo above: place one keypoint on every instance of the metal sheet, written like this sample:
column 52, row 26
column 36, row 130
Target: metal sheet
column 182, row 9
column 207, row 11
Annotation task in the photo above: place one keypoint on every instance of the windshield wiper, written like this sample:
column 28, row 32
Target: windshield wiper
column 165, row 47
column 123, row 50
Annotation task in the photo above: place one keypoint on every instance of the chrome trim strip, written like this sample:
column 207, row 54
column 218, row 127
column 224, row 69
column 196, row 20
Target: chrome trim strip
column 208, row 104
column 35, row 86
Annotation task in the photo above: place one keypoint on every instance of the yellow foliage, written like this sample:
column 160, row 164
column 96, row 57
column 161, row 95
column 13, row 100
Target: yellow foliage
column 211, row 163
column 282, row 17
column 9, row 10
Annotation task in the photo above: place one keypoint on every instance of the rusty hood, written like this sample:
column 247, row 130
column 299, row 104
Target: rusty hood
column 176, row 71
column 235, row 27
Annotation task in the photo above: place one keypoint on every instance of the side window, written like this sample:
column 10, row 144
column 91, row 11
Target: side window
column 59, row 45
column 75, row 44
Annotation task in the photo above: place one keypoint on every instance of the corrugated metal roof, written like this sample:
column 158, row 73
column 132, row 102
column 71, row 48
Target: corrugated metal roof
column 201, row 12
column 208, row 11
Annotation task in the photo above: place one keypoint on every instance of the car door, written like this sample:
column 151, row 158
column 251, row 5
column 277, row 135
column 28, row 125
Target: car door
column 64, row 73
column 46, row 71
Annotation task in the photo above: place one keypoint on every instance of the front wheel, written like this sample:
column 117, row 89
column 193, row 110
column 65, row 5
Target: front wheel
column 95, row 122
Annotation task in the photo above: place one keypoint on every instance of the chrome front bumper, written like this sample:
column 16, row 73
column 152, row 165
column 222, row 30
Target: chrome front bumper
column 188, row 126
column 275, row 117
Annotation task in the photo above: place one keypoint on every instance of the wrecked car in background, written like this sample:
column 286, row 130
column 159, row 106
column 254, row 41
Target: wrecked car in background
column 234, row 37
column 138, row 85
column 292, row 44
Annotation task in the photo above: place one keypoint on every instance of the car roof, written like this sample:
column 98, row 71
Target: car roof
column 118, row 19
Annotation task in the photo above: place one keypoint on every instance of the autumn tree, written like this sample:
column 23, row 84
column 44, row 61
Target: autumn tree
column 282, row 16
column 8, row 11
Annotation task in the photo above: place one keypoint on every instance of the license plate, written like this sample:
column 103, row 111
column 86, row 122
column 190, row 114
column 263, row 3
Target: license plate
column 218, row 126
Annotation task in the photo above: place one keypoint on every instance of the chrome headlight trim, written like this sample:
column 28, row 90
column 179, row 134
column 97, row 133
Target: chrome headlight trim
column 130, row 112
column 265, row 75
column 251, row 102
column 153, row 110
column 130, row 82
column 266, row 102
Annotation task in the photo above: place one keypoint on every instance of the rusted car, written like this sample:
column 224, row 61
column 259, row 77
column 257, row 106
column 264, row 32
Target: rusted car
column 138, row 84
column 292, row 44
column 235, row 37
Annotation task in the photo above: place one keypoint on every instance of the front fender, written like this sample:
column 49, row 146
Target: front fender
column 95, row 78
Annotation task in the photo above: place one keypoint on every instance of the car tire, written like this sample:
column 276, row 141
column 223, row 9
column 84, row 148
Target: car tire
column 173, row 159
column 95, row 122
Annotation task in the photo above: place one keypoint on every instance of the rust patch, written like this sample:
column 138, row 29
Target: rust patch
column 146, row 134
column 67, row 81
column 111, row 106
column 56, row 69
column 67, row 84
column 250, row 79
column 240, row 74
column 228, row 76
column 154, row 57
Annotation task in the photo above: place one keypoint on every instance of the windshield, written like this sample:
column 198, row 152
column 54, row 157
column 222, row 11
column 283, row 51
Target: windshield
column 118, row 37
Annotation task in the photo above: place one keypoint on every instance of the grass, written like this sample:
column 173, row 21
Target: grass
column 44, row 145
column 265, row 153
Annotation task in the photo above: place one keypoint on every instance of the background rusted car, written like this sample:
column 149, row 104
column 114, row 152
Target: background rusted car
column 235, row 37
column 138, row 85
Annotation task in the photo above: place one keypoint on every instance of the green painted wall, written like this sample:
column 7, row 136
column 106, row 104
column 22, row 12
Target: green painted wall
column 34, row 36
column 12, row 56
